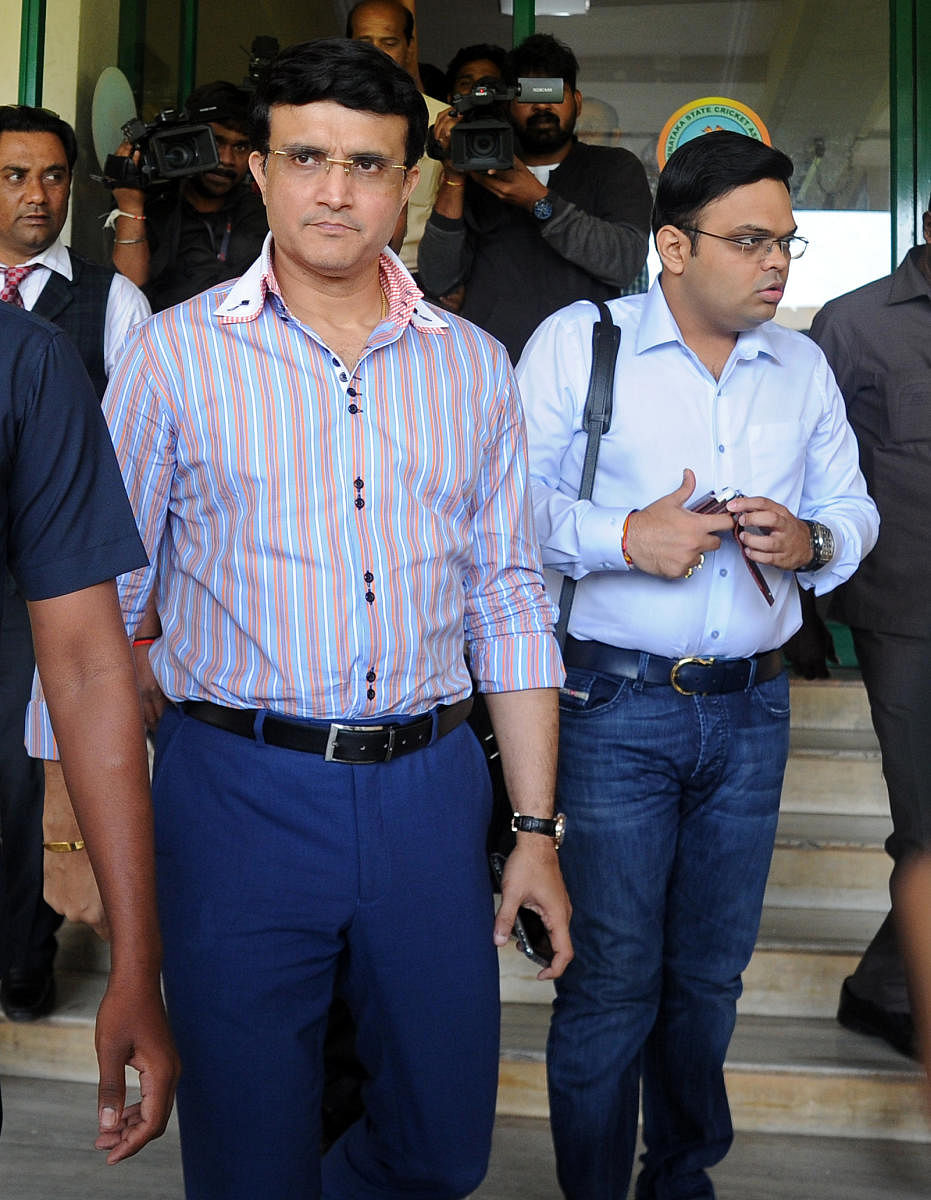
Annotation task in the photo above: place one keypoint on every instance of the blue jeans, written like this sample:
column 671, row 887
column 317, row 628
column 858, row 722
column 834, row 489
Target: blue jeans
column 672, row 804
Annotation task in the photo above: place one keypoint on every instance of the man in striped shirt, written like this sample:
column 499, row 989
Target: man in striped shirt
column 330, row 480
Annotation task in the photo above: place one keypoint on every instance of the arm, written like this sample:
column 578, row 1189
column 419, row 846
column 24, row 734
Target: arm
column 443, row 258
column 609, row 243
column 126, row 307
column 84, row 661
column 526, row 726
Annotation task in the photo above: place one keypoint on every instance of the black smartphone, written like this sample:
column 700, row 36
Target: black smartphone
column 529, row 930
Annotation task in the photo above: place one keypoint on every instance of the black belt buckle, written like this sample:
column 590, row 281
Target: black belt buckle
column 331, row 754
column 687, row 662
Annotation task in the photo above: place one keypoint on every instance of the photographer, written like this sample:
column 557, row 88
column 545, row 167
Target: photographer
column 568, row 221
column 183, row 239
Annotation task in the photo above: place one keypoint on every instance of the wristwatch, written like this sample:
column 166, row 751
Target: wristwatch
column 543, row 208
column 822, row 546
column 554, row 827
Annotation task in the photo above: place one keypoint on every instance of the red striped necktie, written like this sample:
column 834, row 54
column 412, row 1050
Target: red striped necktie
column 14, row 277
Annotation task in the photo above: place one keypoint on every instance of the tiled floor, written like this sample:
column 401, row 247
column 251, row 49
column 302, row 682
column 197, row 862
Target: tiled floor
column 46, row 1152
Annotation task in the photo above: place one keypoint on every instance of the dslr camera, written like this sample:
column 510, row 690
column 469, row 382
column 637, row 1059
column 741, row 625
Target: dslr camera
column 483, row 140
column 169, row 147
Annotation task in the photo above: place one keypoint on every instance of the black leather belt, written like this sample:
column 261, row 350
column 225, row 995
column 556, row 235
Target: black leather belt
column 694, row 676
column 337, row 742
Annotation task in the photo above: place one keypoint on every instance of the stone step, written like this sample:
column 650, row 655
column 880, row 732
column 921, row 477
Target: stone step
column 801, row 959
column 838, row 703
column 823, row 861
column 784, row 1076
column 834, row 781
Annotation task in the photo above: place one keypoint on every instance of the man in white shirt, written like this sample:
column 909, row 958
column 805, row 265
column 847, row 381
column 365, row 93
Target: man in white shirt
column 675, row 713
column 96, row 307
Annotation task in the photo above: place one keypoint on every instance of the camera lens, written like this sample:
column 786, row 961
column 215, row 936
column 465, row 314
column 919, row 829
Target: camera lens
column 179, row 156
column 483, row 145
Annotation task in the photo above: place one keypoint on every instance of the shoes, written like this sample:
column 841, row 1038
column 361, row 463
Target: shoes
column 27, row 995
column 863, row 1016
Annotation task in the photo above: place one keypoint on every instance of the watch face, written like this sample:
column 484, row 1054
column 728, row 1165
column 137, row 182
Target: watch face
column 543, row 209
column 560, row 829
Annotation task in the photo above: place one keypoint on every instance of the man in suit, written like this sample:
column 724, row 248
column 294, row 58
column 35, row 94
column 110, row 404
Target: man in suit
column 96, row 307
column 878, row 342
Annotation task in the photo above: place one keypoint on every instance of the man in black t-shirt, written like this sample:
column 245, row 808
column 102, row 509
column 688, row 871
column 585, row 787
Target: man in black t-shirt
column 183, row 239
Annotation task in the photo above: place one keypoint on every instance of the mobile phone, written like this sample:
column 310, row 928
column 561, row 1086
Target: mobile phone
column 716, row 502
column 529, row 930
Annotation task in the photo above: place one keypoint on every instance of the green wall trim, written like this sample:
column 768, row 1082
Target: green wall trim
column 31, row 52
column 130, row 54
column 187, row 59
column 910, row 127
column 523, row 23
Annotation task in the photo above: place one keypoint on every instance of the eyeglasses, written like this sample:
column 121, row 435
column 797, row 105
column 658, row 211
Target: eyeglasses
column 758, row 245
column 369, row 170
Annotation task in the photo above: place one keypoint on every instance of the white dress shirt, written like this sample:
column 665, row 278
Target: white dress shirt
column 773, row 425
column 126, row 305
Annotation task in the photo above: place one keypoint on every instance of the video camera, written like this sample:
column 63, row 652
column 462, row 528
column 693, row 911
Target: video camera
column 486, row 143
column 169, row 147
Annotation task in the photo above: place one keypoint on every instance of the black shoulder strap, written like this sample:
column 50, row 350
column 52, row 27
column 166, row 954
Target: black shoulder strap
column 596, row 420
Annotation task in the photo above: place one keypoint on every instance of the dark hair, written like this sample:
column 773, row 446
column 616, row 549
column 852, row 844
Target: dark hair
column 707, row 168
column 351, row 73
column 20, row 118
column 542, row 54
column 395, row 4
column 230, row 102
column 496, row 54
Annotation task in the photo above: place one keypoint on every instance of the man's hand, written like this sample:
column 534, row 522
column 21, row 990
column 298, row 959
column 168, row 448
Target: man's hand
column 70, row 884
column 532, row 878
column 126, row 198
column 443, row 127
column 770, row 533
column 666, row 539
column 518, row 186
column 132, row 1029
column 154, row 701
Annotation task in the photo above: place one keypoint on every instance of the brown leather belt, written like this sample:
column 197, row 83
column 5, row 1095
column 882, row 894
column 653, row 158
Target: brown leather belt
column 337, row 742
column 693, row 676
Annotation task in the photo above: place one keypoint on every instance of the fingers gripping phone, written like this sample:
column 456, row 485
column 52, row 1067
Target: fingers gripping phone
column 716, row 502
column 529, row 930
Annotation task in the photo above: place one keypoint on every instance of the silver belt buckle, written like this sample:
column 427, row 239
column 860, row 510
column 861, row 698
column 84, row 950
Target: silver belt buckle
column 685, row 662
column 330, row 754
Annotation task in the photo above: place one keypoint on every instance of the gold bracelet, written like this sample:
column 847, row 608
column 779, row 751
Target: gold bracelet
column 452, row 182
column 63, row 847
column 127, row 241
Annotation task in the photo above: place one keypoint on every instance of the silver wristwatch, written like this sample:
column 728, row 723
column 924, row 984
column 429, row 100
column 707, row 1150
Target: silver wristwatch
column 822, row 546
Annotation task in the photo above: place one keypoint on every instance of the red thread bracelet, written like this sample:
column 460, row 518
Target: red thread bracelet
column 627, row 558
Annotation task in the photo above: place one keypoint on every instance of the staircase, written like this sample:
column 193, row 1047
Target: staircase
column 791, row 1068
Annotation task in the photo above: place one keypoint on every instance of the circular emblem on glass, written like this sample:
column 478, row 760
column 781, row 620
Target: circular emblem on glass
column 705, row 116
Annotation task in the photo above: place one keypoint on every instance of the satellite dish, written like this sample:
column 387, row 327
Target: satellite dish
column 113, row 105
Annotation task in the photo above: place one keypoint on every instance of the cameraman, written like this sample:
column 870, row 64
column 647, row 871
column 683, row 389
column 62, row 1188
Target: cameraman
column 180, row 240
column 567, row 222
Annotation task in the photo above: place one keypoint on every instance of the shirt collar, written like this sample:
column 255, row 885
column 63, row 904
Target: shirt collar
column 909, row 281
column 247, row 297
column 55, row 257
column 658, row 327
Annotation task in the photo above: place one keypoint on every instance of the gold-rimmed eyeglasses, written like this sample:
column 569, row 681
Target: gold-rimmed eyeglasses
column 758, row 245
column 369, row 170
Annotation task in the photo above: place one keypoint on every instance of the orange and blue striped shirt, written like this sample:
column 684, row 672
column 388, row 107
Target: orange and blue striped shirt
column 324, row 540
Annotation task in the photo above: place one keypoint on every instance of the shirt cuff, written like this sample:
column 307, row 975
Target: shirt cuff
column 516, row 664
column 601, row 533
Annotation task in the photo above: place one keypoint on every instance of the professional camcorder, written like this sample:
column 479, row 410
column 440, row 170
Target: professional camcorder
column 486, row 143
column 169, row 147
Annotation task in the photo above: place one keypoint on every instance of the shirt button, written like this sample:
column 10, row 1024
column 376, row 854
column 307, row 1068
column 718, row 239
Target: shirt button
column 723, row 573
column 353, row 408
column 721, row 448
column 370, row 597
column 368, row 576
column 351, row 392
column 360, row 503
column 335, row 362
column 715, row 633
column 370, row 676
column 343, row 377
column 371, row 693
column 358, row 483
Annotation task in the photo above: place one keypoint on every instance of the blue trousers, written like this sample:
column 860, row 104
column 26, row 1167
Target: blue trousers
column 672, row 804
column 274, row 869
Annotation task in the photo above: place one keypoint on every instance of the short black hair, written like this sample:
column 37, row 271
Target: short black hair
column 707, row 168
column 396, row 4
column 496, row 54
column 542, row 54
column 231, row 104
column 21, row 118
column 352, row 73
